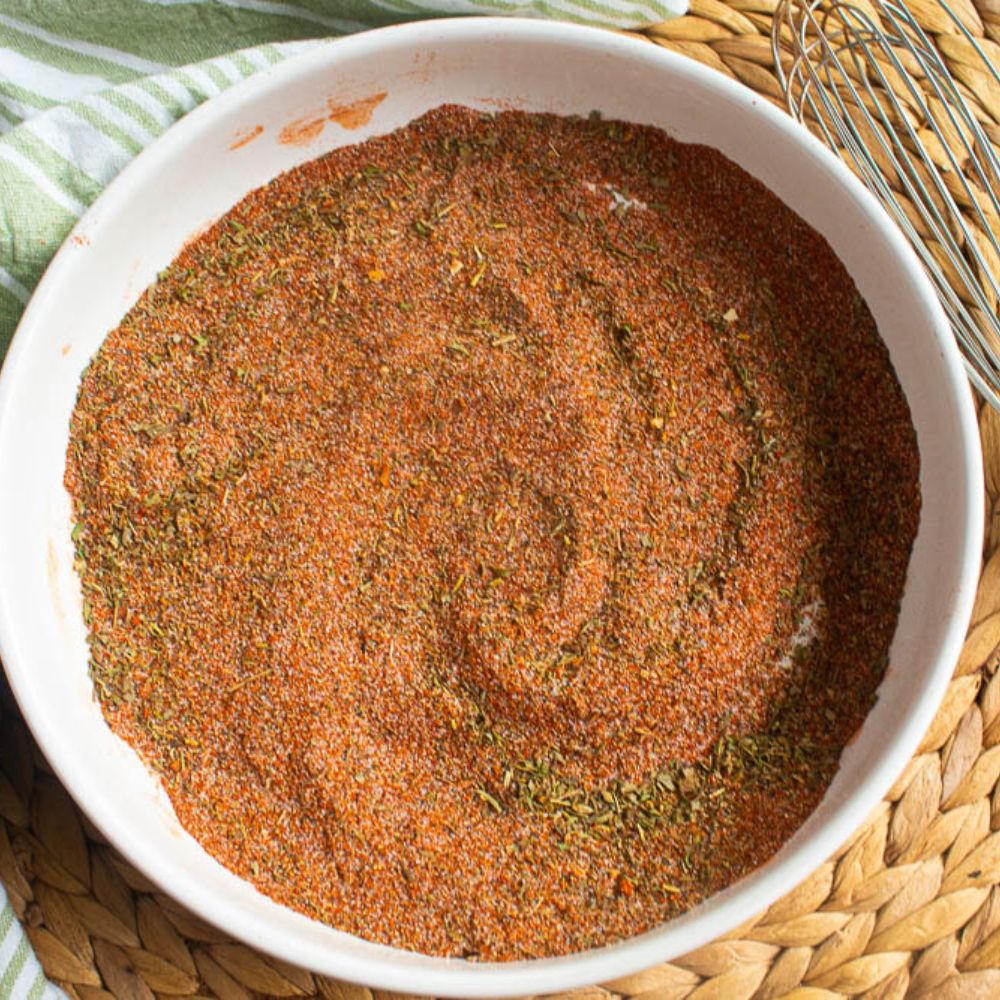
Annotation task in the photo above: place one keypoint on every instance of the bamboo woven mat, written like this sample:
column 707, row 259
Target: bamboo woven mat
column 910, row 907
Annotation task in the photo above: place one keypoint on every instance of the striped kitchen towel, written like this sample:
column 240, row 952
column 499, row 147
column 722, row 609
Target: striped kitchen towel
column 84, row 86
column 20, row 973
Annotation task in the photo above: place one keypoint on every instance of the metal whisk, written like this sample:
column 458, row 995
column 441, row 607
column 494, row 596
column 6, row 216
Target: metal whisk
column 866, row 78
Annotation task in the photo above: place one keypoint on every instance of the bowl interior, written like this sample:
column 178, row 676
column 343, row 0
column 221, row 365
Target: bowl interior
column 294, row 112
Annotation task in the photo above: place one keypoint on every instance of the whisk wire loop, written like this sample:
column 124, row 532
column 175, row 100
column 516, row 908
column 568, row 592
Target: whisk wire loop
column 867, row 78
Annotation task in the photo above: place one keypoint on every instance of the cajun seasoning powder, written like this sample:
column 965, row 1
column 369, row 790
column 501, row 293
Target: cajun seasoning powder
column 492, row 533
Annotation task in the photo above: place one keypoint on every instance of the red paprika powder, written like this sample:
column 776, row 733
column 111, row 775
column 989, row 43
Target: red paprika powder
column 491, row 533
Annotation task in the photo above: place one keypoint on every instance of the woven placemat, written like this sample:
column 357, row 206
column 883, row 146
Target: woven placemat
column 910, row 907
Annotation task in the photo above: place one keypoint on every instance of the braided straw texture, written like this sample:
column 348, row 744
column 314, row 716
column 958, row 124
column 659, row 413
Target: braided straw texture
column 910, row 907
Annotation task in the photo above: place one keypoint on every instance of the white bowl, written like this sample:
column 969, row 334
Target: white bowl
column 196, row 172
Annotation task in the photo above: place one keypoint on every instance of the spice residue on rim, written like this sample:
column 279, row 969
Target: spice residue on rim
column 244, row 138
column 493, row 532
column 356, row 114
column 301, row 131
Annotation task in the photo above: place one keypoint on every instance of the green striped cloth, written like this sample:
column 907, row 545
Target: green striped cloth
column 84, row 86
